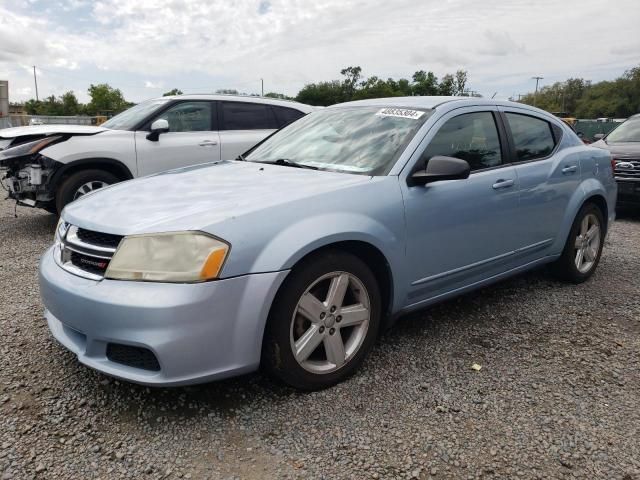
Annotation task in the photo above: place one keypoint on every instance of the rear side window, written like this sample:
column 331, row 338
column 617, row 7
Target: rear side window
column 472, row 137
column 285, row 116
column 532, row 136
column 246, row 116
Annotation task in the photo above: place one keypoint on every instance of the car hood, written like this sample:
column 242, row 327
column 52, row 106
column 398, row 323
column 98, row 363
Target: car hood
column 620, row 151
column 50, row 130
column 195, row 198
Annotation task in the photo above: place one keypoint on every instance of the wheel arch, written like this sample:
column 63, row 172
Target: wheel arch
column 115, row 167
column 373, row 257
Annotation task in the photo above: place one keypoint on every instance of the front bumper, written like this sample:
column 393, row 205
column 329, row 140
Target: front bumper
column 628, row 191
column 198, row 332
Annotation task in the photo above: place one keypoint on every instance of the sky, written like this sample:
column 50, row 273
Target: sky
column 147, row 47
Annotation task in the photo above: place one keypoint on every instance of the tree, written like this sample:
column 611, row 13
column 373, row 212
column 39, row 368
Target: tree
column 425, row 83
column 460, row 82
column 70, row 104
column 321, row 93
column 170, row 93
column 447, row 85
column 105, row 99
column 352, row 76
column 227, row 91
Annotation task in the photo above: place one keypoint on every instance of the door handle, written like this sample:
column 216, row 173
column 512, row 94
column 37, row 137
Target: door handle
column 503, row 183
column 208, row 143
column 570, row 169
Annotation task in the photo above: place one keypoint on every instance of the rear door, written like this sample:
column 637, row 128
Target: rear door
column 242, row 125
column 548, row 178
column 192, row 138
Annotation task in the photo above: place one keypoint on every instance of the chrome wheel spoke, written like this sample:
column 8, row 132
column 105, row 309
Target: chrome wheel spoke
column 334, row 347
column 307, row 343
column 337, row 290
column 353, row 315
column 593, row 232
column 584, row 227
column 589, row 254
column 311, row 307
column 578, row 242
column 579, row 258
column 89, row 187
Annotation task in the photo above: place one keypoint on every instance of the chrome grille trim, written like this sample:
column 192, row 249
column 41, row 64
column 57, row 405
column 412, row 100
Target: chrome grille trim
column 68, row 243
column 627, row 168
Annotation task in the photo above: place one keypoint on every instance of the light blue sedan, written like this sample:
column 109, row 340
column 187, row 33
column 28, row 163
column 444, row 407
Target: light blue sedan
column 295, row 256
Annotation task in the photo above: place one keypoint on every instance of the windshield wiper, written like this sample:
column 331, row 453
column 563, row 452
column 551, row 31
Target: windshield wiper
column 290, row 163
column 241, row 158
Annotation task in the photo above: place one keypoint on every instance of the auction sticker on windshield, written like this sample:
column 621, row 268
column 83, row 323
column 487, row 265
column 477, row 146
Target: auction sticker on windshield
column 399, row 112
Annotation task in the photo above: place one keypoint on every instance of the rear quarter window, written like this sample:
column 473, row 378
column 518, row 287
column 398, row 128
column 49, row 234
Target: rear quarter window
column 247, row 116
column 533, row 137
column 285, row 116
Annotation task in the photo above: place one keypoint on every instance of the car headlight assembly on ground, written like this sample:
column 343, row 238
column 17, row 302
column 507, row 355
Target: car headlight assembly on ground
column 168, row 257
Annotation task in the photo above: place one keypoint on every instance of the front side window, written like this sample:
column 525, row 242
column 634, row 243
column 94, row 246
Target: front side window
column 188, row 117
column 532, row 137
column 246, row 116
column 134, row 115
column 628, row 131
column 362, row 140
column 472, row 137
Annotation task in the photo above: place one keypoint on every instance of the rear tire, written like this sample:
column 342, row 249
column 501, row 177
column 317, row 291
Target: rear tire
column 81, row 183
column 323, row 322
column 583, row 248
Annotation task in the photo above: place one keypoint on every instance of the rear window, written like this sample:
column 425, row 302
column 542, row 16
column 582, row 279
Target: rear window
column 246, row 116
column 285, row 116
column 532, row 136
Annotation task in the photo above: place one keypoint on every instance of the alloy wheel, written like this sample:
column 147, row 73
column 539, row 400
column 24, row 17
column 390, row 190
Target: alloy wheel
column 89, row 187
column 587, row 244
column 330, row 322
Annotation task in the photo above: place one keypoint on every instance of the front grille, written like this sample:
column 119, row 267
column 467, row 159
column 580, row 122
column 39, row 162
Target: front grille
column 627, row 168
column 137, row 357
column 99, row 239
column 94, row 265
column 86, row 253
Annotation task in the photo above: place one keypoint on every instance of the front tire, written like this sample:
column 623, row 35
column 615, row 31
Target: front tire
column 583, row 249
column 323, row 322
column 81, row 183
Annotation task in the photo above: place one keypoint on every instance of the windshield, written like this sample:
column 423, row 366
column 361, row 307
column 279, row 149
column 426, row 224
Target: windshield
column 4, row 142
column 628, row 131
column 131, row 117
column 363, row 140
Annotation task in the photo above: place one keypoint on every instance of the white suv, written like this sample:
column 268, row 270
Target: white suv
column 49, row 166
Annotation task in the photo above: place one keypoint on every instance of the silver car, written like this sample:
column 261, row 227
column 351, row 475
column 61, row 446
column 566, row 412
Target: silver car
column 298, row 254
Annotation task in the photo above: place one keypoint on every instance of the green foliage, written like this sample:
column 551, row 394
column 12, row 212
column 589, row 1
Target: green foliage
column 580, row 98
column 227, row 91
column 67, row 104
column 105, row 100
column 353, row 88
column 172, row 92
column 281, row 96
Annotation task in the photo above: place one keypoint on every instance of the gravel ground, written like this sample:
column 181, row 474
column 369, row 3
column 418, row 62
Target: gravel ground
column 557, row 396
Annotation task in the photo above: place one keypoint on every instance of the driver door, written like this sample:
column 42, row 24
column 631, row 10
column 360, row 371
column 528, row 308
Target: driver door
column 461, row 231
column 191, row 139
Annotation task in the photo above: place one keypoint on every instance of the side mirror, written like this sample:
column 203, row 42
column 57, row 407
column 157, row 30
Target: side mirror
column 598, row 136
column 441, row 168
column 158, row 127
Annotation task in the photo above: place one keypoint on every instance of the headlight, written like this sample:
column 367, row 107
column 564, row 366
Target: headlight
column 28, row 148
column 168, row 257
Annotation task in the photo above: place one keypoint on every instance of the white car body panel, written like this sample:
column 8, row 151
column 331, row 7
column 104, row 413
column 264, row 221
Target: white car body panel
column 49, row 130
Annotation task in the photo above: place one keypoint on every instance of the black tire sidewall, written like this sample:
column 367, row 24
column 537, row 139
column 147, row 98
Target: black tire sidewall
column 565, row 266
column 70, row 185
column 277, row 356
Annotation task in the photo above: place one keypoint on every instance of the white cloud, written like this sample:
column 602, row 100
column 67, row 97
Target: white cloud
column 291, row 42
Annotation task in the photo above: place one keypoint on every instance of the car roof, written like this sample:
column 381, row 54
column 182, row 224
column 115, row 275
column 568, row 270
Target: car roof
column 429, row 102
column 244, row 98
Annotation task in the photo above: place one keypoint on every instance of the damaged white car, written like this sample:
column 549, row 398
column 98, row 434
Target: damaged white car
column 48, row 166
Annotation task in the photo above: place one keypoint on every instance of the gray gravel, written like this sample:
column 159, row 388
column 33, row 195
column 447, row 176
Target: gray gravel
column 557, row 395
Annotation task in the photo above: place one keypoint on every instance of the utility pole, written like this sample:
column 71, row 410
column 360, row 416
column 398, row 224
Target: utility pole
column 35, row 80
column 535, row 95
column 262, row 88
